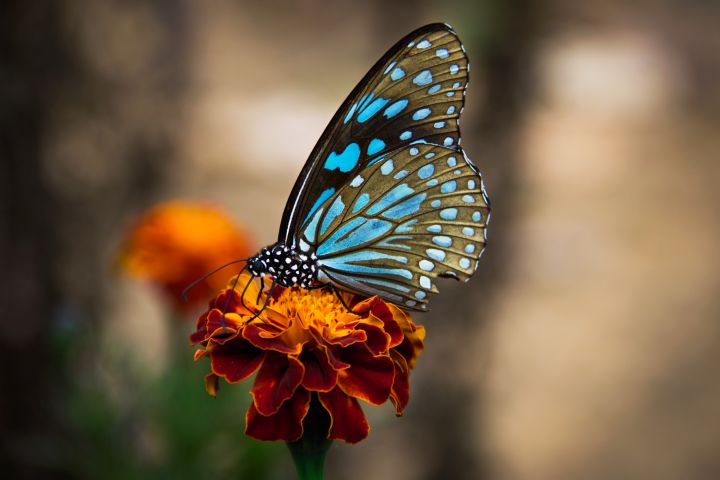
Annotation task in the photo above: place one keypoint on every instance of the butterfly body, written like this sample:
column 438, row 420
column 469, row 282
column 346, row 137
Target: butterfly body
column 388, row 200
column 287, row 266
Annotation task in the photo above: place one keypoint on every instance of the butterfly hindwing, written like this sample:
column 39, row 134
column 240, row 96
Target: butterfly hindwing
column 412, row 215
column 415, row 93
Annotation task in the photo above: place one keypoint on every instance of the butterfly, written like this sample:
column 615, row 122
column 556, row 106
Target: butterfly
column 388, row 201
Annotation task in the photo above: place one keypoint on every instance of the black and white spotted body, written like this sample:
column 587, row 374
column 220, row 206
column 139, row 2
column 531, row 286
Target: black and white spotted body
column 288, row 267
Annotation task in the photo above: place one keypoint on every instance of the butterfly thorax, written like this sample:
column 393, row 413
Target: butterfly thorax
column 288, row 267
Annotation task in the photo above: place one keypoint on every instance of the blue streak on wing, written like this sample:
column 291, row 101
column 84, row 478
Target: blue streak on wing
column 320, row 200
column 397, row 193
column 372, row 109
column 375, row 146
column 364, row 231
column 362, row 200
column 395, row 108
column 338, row 263
column 388, row 242
column 364, row 100
column 335, row 209
column 376, row 159
column 405, row 208
column 344, row 161
column 311, row 227
column 350, row 113
column 406, row 227
column 365, row 256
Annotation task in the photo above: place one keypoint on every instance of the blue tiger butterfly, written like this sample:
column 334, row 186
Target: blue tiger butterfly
column 388, row 201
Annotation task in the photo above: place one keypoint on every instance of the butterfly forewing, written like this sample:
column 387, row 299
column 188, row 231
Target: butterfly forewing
column 414, row 214
column 414, row 94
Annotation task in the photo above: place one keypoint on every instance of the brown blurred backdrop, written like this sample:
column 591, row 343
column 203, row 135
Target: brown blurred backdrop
column 586, row 347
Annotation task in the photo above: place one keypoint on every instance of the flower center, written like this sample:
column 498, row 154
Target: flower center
column 318, row 308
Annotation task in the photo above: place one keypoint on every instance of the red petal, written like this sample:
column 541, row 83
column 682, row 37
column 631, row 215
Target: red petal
column 348, row 421
column 377, row 341
column 276, row 381
column 235, row 361
column 212, row 384
column 336, row 363
column 343, row 336
column 228, row 301
column 400, row 394
column 285, row 424
column 221, row 328
column 269, row 338
column 369, row 378
column 387, row 313
column 319, row 373
column 412, row 345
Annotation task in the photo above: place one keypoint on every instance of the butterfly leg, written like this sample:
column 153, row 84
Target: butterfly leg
column 262, row 287
column 267, row 300
column 242, row 296
column 336, row 291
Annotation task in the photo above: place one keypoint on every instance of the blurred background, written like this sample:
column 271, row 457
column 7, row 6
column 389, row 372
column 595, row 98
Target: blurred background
column 587, row 345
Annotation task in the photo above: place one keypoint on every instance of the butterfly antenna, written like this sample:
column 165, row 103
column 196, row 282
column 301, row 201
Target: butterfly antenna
column 193, row 284
column 336, row 291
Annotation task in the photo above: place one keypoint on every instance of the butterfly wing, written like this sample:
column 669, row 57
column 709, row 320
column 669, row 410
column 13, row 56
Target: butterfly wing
column 412, row 215
column 414, row 93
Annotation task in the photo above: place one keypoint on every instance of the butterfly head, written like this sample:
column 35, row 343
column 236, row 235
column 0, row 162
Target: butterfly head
column 286, row 265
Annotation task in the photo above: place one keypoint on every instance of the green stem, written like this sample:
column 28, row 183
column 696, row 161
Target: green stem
column 309, row 452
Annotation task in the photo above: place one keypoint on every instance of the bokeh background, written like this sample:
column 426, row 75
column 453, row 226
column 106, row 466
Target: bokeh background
column 587, row 345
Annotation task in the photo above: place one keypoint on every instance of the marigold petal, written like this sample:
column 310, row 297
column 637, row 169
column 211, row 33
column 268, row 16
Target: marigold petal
column 199, row 353
column 175, row 243
column 235, row 361
column 276, row 382
column 336, row 363
column 342, row 336
column 320, row 376
column 392, row 317
column 369, row 378
column 228, row 301
column 347, row 420
column 285, row 424
column 412, row 344
column 385, row 314
column 377, row 340
column 212, row 384
column 213, row 325
column 400, row 393
column 268, row 338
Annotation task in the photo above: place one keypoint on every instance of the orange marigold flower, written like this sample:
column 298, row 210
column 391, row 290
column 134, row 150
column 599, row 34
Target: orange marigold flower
column 175, row 243
column 306, row 343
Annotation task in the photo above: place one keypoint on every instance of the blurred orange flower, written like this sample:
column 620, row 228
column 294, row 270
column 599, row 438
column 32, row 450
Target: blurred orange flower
column 175, row 243
column 304, row 344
